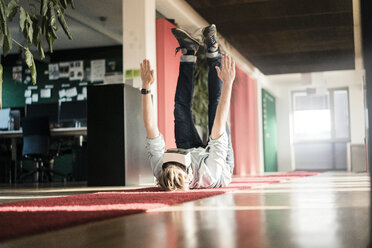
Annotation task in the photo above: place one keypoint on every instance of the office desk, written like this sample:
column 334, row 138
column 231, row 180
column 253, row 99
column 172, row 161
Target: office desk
column 64, row 131
column 54, row 132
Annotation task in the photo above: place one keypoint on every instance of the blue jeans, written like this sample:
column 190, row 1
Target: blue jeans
column 185, row 131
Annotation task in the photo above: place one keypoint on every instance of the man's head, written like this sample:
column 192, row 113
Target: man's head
column 177, row 172
column 174, row 178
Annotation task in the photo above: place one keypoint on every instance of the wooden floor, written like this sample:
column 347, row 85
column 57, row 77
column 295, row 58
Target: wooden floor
column 327, row 210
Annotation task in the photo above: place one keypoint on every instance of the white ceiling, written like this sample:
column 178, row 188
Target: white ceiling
column 93, row 9
column 85, row 25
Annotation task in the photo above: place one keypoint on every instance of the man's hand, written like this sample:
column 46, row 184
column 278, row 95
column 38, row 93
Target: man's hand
column 227, row 75
column 148, row 111
column 147, row 75
column 227, row 72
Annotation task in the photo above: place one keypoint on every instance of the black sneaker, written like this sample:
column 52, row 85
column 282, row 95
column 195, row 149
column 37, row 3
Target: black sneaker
column 210, row 35
column 188, row 44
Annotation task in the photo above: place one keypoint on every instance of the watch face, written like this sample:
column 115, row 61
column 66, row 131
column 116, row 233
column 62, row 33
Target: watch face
column 144, row 91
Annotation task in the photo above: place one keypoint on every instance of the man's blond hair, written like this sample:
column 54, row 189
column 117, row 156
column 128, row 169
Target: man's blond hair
column 173, row 178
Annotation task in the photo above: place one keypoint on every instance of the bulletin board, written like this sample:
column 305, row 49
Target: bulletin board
column 55, row 78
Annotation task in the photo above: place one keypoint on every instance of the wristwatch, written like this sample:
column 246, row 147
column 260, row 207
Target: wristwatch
column 145, row 92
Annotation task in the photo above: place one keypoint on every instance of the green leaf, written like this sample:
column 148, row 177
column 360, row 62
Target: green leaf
column 43, row 7
column 12, row 9
column 41, row 50
column 25, row 23
column 63, row 3
column 22, row 18
column 7, row 44
column 62, row 21
column 29, row 58
column 31, row 65
column 3, row 17
column 56, row 3
column 49, row 37
column 52, row 16
column 51, row 33
column 2, row 11
column 30, row 30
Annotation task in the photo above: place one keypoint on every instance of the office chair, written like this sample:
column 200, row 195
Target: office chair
column 36, row 146
column 15, row 116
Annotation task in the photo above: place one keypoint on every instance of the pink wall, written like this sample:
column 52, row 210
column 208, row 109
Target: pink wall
column 244, row 126
column 167, row 74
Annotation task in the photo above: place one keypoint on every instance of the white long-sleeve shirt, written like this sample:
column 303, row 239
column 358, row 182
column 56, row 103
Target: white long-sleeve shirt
column 210, row 167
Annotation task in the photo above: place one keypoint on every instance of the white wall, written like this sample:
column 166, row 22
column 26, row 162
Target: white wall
column 282, row 85
column 139, row 42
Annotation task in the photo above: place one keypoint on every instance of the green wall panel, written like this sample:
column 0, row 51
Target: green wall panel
column 269, row 132
column 13, row 92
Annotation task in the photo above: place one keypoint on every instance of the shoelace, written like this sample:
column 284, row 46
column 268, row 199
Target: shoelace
column 177, row 50
column 211, row 41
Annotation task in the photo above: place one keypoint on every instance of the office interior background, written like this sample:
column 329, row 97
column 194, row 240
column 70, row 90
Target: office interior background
column 299, row 101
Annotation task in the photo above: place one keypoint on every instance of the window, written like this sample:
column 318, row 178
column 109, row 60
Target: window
column 321, row 129
column 321, row 117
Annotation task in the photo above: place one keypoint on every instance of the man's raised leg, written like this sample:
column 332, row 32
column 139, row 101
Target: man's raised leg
column 214, row 83
column 185, row 132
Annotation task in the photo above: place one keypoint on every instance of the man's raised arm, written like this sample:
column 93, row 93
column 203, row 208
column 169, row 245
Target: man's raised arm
column 227, row 75
column 148, row 112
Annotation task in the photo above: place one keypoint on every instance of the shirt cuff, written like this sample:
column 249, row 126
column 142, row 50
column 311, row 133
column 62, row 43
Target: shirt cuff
column 154, row 140
column 222, row 138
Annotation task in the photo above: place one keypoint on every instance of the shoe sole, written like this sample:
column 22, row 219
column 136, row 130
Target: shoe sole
column 187, row 35
column 203, row 30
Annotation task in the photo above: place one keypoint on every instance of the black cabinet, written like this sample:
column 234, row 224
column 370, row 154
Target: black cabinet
column 106, row 151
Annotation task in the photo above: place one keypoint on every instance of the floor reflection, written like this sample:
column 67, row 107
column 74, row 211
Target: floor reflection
column 329, row 210
column 192, row 228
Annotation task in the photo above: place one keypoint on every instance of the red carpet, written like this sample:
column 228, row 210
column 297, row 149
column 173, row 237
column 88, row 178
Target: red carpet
column 35, row 216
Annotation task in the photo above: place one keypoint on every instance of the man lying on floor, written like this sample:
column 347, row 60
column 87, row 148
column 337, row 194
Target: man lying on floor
column 192, row 165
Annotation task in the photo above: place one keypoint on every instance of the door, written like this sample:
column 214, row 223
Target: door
column 269, row 132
